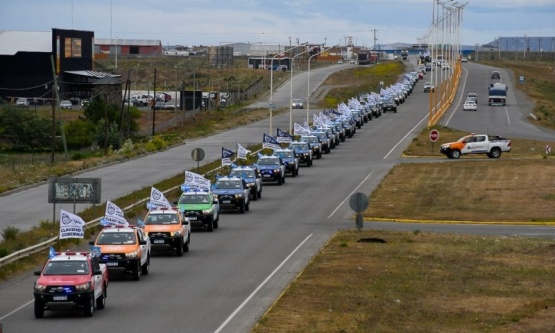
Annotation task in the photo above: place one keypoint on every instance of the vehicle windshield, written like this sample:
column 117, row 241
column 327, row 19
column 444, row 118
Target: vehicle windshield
column 268, row 161
column 298, row 146
column 120, row 238
column 70, row 267
column 169, row 218
column 242, row 173
column 283, row 154
column 194, row 199
column 310, row 139
column 228, row 184
column 497, row 92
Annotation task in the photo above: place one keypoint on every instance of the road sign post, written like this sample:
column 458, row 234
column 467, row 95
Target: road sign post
column 198, row 155
column 434, row 135
column 359, row 202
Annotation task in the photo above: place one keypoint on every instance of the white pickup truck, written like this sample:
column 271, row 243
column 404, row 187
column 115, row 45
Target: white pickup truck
column 491, row 145
column 470, row 106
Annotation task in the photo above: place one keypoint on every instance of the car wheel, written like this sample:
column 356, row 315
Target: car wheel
column 88, row 308
column 259, row 194
column 319, row 155
column 255, row 195
column 39, row 309
column 495, row 153
column 455, row 153
column 186, row 245
column 248, row 207
column 242, row 208
column 210, row 225
column 101, row 300
column 146, row 267
column 137, row 271
column 294, row 173
column 280, row 181
column 179, row 248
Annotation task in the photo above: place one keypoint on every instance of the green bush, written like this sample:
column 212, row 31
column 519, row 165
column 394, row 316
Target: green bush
column 10, row 233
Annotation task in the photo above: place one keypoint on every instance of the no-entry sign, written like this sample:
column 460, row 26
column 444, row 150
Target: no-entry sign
column 434, row 135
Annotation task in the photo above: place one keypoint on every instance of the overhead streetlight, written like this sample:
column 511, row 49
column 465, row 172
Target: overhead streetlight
column 291, row 89
column 308, row 79
column 272, row 83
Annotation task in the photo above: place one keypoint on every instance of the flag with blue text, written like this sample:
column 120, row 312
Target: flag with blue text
column 71, row 225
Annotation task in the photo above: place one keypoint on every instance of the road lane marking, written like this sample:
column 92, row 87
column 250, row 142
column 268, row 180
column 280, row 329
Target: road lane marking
column 224, row 324
column 14, row 311
column 348, row 196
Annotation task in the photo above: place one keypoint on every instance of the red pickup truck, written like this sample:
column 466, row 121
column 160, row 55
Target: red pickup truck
column 71, row 277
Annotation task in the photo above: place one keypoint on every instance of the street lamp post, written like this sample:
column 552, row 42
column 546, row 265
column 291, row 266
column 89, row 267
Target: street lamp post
column 308, row 80
column 272, row 83
column 291, row 89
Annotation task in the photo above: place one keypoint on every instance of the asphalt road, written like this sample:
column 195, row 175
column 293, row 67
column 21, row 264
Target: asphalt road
column 231, row 276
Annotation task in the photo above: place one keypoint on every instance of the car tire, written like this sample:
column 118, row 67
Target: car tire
column 242, row 208
column 495, row 153
column 186, row 244
column 101, row 300
column 259, row 194
column 39, row 309
column 455, row 154
column 248, row 207
column 179, row 248
column 137, row 271
column 146, row 267
column 88, row 308
column 210, row 226
column 280, row 181
column 255, row 195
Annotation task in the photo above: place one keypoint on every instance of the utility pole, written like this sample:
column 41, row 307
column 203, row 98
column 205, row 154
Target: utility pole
column 375, row 39
column 154, row 105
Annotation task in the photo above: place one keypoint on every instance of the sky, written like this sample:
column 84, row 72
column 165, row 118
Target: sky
column 284, row 22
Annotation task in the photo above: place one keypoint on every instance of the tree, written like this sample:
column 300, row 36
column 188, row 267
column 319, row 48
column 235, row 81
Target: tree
column 25, row 130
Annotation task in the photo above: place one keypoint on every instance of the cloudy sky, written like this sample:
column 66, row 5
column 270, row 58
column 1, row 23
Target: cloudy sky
column 214, row 22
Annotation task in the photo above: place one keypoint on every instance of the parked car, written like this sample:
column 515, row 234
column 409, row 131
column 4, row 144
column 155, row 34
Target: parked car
column 66, row 104
column 169, row 106
column 297, row 104
column 22, row 102
column 464, row 59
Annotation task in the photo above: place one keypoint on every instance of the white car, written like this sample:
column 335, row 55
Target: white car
column 297, row 104
column 470, row 106
column 66, row 104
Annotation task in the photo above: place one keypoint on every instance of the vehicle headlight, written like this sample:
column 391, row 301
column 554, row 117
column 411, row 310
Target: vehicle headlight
column 132, row 255
column 83, row 287
column 215, row 196
column 291, row 163
column 40, row 287
column 176, row 233
column 277, row 170
column 250, row 184
column 238, row 196
column 207, row 211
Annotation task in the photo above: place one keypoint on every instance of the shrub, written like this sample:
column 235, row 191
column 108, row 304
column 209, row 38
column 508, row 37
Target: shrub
column 10, row 233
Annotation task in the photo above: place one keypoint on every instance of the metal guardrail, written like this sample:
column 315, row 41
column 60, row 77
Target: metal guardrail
column 46, row 244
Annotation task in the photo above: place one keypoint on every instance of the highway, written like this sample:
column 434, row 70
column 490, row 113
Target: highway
column 232, row 275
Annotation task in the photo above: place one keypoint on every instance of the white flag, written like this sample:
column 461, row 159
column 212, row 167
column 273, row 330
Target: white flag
column 242, row 152
column 71, row 225
column 196, row 182
column 113, row 216
column 158, row 200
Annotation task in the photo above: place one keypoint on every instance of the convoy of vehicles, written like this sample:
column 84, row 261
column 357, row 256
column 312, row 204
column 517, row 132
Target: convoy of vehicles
column 491, row 145
column 85, row 276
